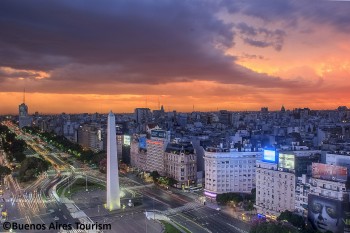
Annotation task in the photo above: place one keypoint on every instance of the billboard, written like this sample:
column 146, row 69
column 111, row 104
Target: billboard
column 142, row 143
column 158, row 133
column 127, row 140
column 326, row 214
column 269, row 156
column 329, row 172
column 286, row 161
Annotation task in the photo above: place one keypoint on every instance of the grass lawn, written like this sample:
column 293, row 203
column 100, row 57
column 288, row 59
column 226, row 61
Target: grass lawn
column 79, row 185
column 170, row 228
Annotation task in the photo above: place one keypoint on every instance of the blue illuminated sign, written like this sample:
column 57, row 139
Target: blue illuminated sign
column 270, row 156
column 142, row 143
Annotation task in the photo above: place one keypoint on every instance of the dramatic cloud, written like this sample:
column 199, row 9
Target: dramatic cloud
column 261, row 37
column 190, row 50
column 148, row 42
column 291, row 12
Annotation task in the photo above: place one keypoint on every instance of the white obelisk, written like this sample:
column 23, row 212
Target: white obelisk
column 113, row 195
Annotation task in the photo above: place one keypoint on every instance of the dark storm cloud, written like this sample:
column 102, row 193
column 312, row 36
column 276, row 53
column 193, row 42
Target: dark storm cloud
column 150, row 41
column 261, row 37
column 320, row 12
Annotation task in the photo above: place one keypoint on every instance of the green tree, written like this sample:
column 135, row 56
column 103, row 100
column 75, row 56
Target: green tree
column 294, row 219
column 224, row 198
column 272, row 227
column 155, row 176
column 19, row 156
column 31, row 167
column 172, row 181
column 4, row 170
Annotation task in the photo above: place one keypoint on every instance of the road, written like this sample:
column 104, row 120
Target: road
column 35, row 204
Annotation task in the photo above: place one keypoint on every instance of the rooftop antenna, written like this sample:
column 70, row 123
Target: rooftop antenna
column 146, row 100
column 158, row 103
column 193, row 108
column 24, row 95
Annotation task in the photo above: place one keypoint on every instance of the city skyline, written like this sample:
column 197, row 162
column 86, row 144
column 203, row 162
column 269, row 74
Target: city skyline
column 203, row 55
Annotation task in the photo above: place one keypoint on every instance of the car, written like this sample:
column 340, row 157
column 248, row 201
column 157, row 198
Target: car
column 56, row 218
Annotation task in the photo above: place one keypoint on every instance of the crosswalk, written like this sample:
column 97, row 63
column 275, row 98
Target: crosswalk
column 34, row 199
column 186, row 207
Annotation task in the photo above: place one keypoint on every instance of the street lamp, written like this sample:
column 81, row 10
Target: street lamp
column 68, row 185
column 86, row 189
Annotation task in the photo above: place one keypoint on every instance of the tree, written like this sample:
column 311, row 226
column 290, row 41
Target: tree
column 103, row 165
column 272, row 227
column 155, row 175
column 172, row 181
column 19, row 156
column 224, row 198
column 31, row 167
column 4, row 171
column 87, row 155
column 292, row 218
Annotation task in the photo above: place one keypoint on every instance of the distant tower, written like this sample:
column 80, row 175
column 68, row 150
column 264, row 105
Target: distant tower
column 23, row 118
column 283, row 109
column 113, row 194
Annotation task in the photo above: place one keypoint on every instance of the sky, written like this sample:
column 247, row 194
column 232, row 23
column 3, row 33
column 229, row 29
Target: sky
column 202, row 55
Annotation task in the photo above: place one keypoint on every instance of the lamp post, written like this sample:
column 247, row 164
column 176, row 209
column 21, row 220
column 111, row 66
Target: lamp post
column 86, row 189
column 68, row 184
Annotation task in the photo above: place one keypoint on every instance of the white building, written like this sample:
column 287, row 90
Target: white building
column 302, row 191
column 229, row 171
column 340, row 158
column 275, row 189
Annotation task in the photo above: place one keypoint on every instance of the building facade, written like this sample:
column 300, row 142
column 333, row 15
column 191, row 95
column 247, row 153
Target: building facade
column 155, row 151
column 229, row 171
column 275, row 189
column 138, row 153
column 90, row 137
column 24, row 119
column 181, row 164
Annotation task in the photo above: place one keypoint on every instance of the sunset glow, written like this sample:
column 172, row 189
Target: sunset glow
column 185, row 55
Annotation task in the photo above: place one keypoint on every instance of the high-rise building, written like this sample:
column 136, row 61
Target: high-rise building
column 275, row 188
column 302, row 190
column 113, row 192
column 24, row 119
column 155, row 150
column 229, row 171
column 90, row 137
column 281, row 181
column 328, row 199
column 138, row 152
column 180, row 163
column 142, row 116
